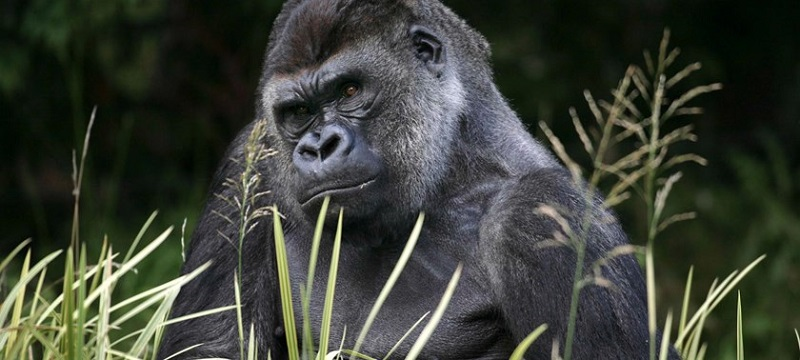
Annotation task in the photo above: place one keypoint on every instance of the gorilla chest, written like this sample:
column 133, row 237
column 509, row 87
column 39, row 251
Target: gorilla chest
column 469, row 329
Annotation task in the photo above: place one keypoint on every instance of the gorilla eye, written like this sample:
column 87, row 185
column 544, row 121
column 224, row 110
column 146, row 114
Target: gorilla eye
column 350, row 90
column 300, row 110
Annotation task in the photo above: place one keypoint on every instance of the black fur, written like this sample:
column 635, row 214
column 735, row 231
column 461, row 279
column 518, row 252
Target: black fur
column 390, row 107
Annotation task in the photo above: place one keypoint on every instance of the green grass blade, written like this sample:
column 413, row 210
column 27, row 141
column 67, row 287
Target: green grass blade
column 408, row 332
column 140, row 346
column 387, row 287
column 336, row 355
column 175, row 355
column 736, row 281
column 19, row 300
column 37, row 295
column 160, row 291
column 47, row 342
column 122, row 270
column 139, row 236
column 104, row 312
column 80, row 305
column 327, row 310
column 252, row 344
column 426, row 333
column 98, row 275
column 665, row 338
column 237, row 295
column 714, row 297
column 198, row 314
column 701, row 354
column 129, row 265
column 797, row 335
column 651, row 298
column 354, row 355
column 308, row 341
column 285, row 287
column 523, row 346
column 685, row 306
column 13, row 254
column 6, row 306
column 697, row 334
column 67, row 306
column 739, row 330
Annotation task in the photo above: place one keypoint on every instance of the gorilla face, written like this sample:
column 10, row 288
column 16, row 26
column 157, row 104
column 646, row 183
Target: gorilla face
column 323, row 114
column 351, row 122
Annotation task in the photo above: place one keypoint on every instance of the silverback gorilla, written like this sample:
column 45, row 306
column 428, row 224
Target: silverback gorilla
column 389, row 108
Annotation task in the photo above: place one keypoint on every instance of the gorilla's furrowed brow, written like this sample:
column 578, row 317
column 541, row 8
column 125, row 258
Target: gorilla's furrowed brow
column 313, row 83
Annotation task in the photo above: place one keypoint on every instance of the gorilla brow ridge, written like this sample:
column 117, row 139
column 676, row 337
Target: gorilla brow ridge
column 317, row 29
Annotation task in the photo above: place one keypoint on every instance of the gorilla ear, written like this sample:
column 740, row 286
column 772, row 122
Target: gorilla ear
column 428, row 48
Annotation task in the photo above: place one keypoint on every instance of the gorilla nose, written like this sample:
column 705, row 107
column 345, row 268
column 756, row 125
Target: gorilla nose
column 332, row 143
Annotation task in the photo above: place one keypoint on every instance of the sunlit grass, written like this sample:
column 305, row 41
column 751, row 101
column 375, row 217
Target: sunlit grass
column 641, row 108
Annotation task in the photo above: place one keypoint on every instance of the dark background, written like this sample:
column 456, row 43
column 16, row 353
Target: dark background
column 173, row 81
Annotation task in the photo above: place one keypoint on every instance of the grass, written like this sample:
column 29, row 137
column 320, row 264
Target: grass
column 640, row 117
column 84, row 319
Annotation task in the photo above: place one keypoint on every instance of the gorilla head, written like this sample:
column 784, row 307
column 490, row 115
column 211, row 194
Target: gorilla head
column 389, row 108
column 368, row 99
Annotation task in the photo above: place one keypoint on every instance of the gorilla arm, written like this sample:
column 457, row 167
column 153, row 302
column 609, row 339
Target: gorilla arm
column 532, row 274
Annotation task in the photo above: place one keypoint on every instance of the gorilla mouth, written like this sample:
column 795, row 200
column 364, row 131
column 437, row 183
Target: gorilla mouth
column 317, row 193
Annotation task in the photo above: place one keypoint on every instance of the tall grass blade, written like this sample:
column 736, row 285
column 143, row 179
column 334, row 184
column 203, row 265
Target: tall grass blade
column 252, row 344
column 237, row 295
column 161, row 292
column 387, row 287
column 327, row 311
column 407, row 333
column 665, row 338
column 139, row 236
column 701, row 354
column 67, row 306
column 23, row 281
column 523, row 346
column 335, row 355
column 426, row 333
column 13, row 254
column 98, row 275
column 651, row 299
column 198, row 314
column 19, row 300
column 123, row 269
column 285, row 287
column 716, row 294
column 140, row 346
column 101, row 341
column 308, row 341
column 739, row 330
column 77, row 180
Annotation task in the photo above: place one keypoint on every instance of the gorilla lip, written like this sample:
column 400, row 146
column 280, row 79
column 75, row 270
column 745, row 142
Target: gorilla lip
column 317, row 193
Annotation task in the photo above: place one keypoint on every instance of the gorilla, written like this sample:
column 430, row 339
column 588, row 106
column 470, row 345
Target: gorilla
column 389, row 108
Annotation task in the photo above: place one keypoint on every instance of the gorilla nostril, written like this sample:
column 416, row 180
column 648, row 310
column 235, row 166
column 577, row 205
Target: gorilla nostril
column 307, row 154
column 329, row 147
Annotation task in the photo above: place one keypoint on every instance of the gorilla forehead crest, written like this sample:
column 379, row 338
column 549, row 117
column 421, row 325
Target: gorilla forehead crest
column 308, row 32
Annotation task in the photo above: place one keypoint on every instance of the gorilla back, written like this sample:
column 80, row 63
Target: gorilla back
column 389, row 108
